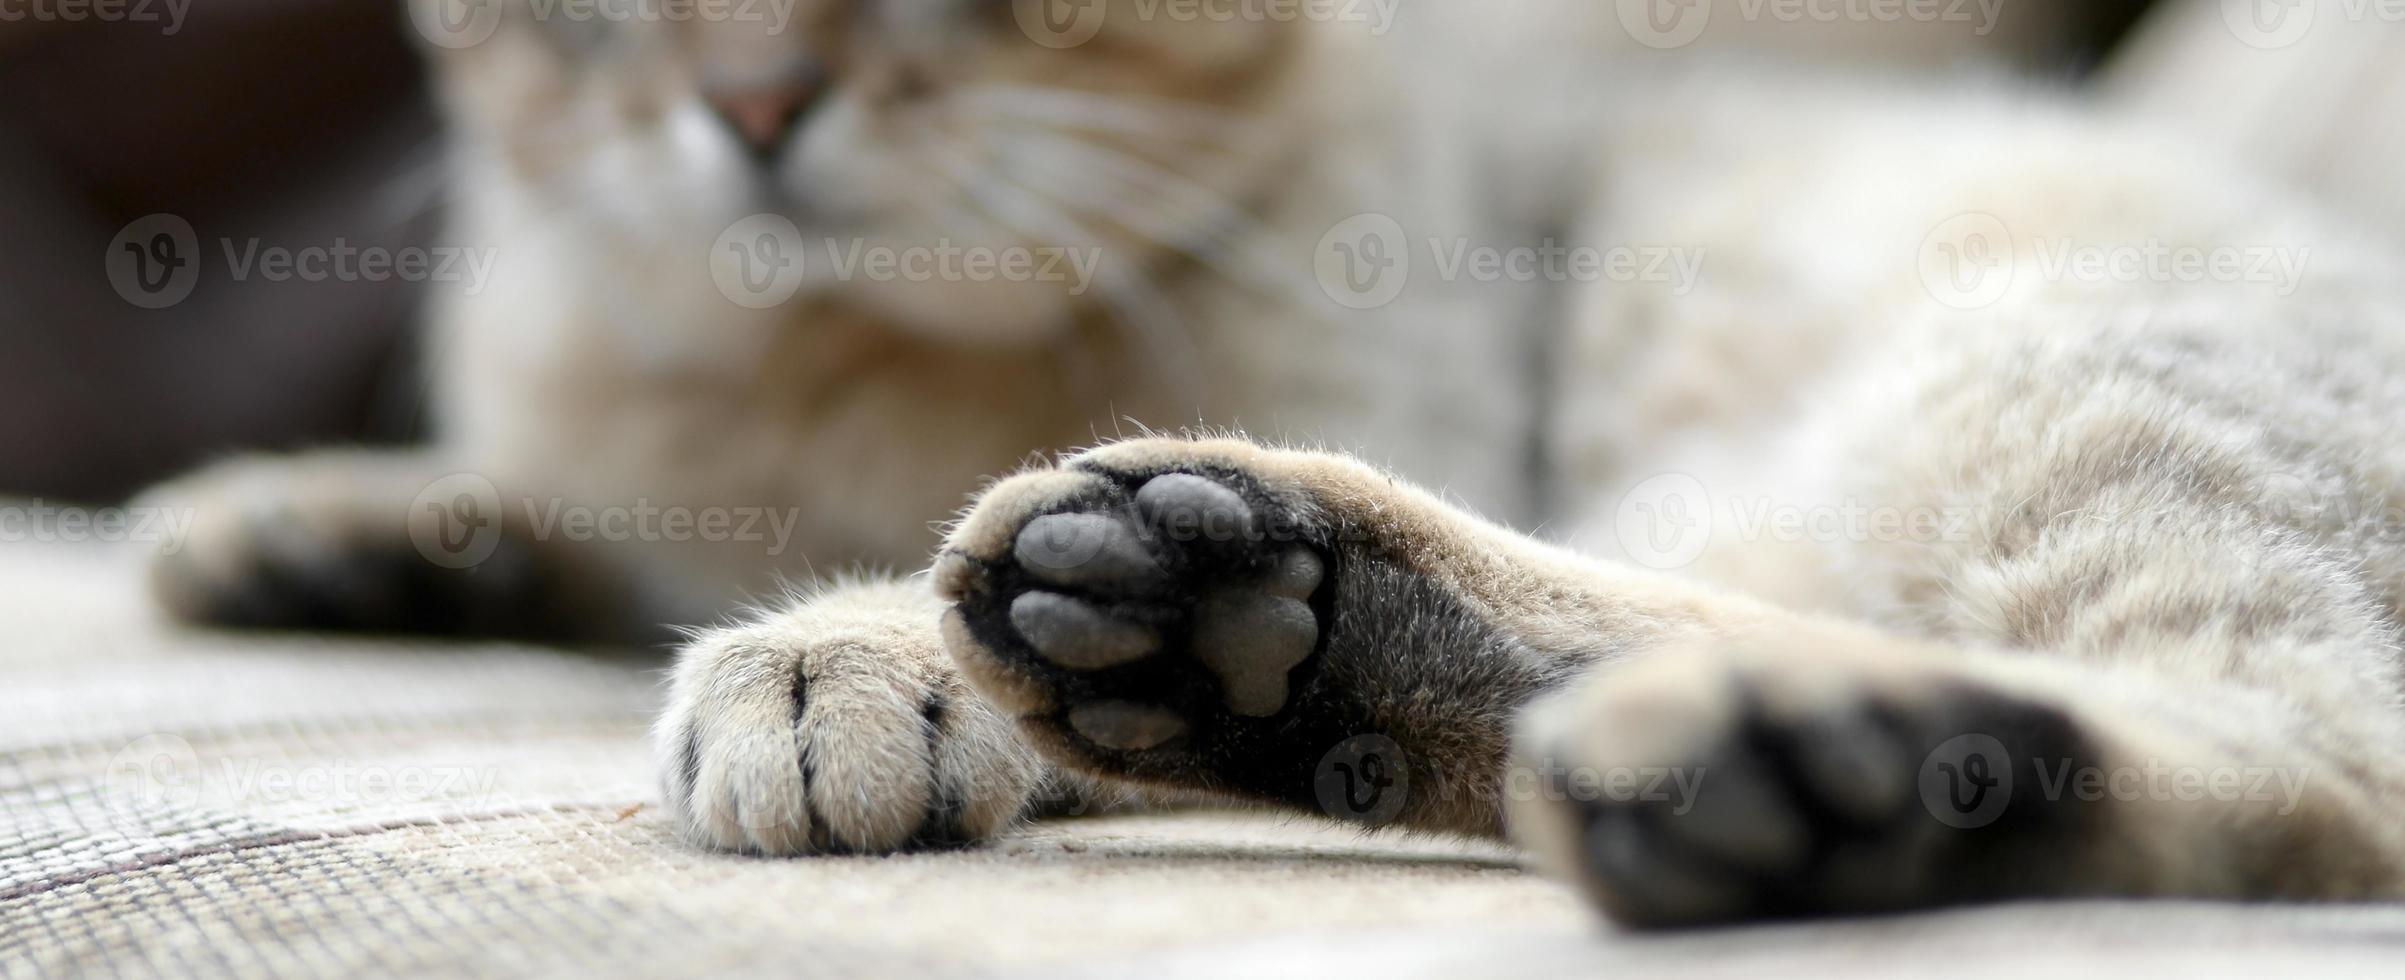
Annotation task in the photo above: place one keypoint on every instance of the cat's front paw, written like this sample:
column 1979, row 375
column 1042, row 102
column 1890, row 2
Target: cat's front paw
column 373, row 543
column 1147, row 618
column 1260, row 623
column 837, row 726
column 1723, row 785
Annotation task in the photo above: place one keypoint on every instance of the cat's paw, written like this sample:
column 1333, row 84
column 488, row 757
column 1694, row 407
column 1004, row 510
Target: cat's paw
column 1702, row 787
column 1218, row 616
column 837, row 726
column 347, row 541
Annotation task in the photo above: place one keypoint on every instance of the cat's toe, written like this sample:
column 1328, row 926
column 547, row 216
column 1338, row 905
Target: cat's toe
column 805, row 734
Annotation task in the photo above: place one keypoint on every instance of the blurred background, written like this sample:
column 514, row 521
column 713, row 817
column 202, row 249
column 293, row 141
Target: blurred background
column 300, row 123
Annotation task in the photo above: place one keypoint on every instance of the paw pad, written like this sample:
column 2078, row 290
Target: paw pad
column 1125, row 725
column 1178, row 572
column 1078, row 636
column 1250, row 640
column 1086, row 551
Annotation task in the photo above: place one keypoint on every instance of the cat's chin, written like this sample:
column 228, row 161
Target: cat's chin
column 985, row 314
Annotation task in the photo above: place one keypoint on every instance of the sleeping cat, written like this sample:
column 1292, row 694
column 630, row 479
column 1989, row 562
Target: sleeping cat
column 1952, row 497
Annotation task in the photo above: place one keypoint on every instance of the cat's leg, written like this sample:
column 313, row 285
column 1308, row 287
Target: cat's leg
column 1284, row 627
column 1836, row 771
column 2152, row 648
column 838, row 725
column 386, row 542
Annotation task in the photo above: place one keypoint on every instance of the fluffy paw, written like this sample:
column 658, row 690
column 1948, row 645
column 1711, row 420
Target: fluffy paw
column 837, row 726
column 1699, row 788
column 343, row 541
column 1221, row 617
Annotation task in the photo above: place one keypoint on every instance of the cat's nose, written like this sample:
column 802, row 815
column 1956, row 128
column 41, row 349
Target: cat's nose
column 764, row 115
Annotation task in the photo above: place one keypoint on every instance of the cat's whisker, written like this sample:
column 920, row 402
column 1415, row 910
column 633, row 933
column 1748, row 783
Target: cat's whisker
column 1132, row 298
column 1166, row 119
column 1224, row 228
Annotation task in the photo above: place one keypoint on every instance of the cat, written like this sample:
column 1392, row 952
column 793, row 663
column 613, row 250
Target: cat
column 1928, row 474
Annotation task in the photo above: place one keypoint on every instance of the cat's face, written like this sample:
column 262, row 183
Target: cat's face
column 878, row 124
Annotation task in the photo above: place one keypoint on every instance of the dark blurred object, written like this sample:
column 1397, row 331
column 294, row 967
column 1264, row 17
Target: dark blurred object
column 2099, row 28
column 294, row 123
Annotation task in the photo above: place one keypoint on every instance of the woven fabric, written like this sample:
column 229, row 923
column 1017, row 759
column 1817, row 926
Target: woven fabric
column 189, row 804
column 197, row 804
